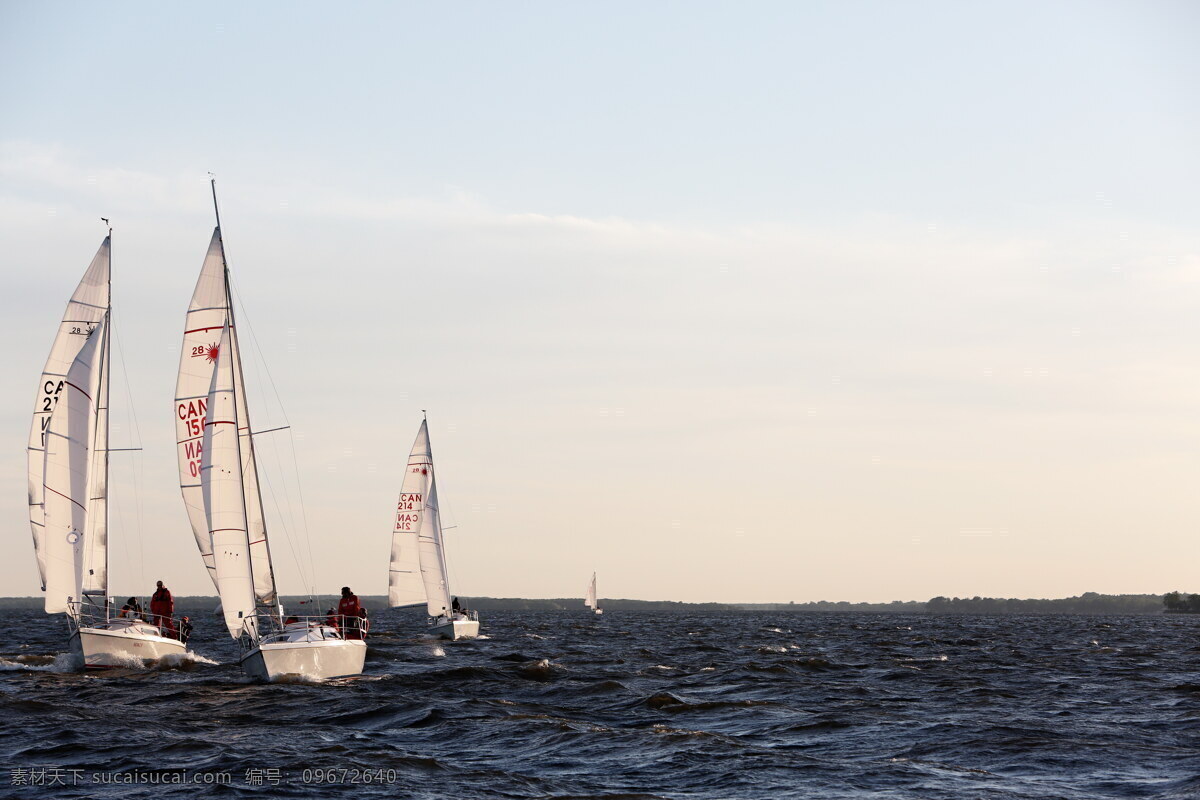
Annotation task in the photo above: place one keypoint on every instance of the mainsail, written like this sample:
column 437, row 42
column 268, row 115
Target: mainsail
column 418, row 565
column 590, row 600
column 208, row 315
column 223, row 495
column 69, row 459
column 87, row 307
column 405, row 585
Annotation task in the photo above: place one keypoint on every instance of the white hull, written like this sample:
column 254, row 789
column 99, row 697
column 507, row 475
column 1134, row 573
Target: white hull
column 456, row 629
column 315, row 660
column 599, row 610
column 120, row 646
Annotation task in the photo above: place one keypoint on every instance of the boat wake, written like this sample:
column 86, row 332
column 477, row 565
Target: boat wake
column 181, row 661
column 296, row 678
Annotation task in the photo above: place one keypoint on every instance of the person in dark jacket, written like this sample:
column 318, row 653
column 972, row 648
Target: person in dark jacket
column 132, row 609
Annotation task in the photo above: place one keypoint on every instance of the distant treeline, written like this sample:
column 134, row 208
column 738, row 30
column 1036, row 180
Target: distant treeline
column 1088, row 603
column 1176, row 603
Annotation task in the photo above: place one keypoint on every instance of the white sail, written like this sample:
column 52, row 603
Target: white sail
column 406, row 587
column 433, row 556
column 590, row 600
column 208, row 314
column 68, row 461
column 95, row 540
column 223, row 494
column 86, row 308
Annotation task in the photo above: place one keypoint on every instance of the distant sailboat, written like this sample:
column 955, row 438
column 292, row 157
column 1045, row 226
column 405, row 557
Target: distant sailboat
column 418, row 564
column 68, row 484
column 218, row 475
column 590, row 601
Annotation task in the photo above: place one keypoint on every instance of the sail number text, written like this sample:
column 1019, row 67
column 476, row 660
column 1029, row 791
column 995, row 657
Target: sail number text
column 408, row 511
column 50, row 393
column 191, row 416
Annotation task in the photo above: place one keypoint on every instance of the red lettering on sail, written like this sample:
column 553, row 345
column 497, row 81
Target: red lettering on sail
column 192, row 414
column 408, row 511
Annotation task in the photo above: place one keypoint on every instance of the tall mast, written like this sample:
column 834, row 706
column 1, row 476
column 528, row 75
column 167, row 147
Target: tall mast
column 239, row 379
column 212, row 180
column 100, row 435
column 105, row 362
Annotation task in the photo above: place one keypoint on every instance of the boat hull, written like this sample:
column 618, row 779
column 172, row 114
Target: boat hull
column 102, row 649
column 313, row 660
column 456, row 629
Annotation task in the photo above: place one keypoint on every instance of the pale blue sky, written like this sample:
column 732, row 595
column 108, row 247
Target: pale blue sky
column 872, row 300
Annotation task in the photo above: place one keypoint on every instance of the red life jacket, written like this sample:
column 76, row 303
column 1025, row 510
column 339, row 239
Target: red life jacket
column 348, row 606
column 162, row 603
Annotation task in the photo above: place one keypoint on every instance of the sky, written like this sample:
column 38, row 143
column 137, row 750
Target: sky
column 725, row 302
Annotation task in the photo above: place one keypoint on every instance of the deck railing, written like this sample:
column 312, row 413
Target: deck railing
column 90, row 615
column 260, row 628
column 464, row 614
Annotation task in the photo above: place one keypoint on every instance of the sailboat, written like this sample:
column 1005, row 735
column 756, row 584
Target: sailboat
column 590, row 601
column 418, row 565
column 218, row 475
column 68, row 484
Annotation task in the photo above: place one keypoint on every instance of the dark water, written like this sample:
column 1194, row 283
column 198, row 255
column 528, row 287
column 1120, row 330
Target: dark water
column 637, row 705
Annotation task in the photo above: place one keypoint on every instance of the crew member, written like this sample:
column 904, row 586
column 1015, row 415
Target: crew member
column 185, row 630
column 162, row 607
column 348, row 608
column 132, row 609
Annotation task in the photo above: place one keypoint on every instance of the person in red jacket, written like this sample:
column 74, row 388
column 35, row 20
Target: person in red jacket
column 162, row 608
column 348, row 608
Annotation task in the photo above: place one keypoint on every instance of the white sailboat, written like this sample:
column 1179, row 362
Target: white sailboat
column 68, row 484
column 218, row 475
column 418, row 565
column 590, row 601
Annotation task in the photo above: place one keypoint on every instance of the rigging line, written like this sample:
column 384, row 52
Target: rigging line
column 290, row 525
column 261, row 365
column 265, row 479
column 451, row 576
column 293, row 543
column 131, row 417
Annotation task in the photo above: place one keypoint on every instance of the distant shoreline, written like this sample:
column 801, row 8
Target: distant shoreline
column 1087, row 603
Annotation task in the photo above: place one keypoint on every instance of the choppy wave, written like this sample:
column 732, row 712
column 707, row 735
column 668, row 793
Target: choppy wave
column 60, row 663
column 702, row 707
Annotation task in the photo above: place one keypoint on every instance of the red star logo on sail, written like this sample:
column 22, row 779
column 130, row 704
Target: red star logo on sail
column 212, row 351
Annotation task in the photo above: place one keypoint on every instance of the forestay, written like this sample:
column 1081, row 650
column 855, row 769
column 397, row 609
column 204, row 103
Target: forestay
column 208, row 314
column 87, row 307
